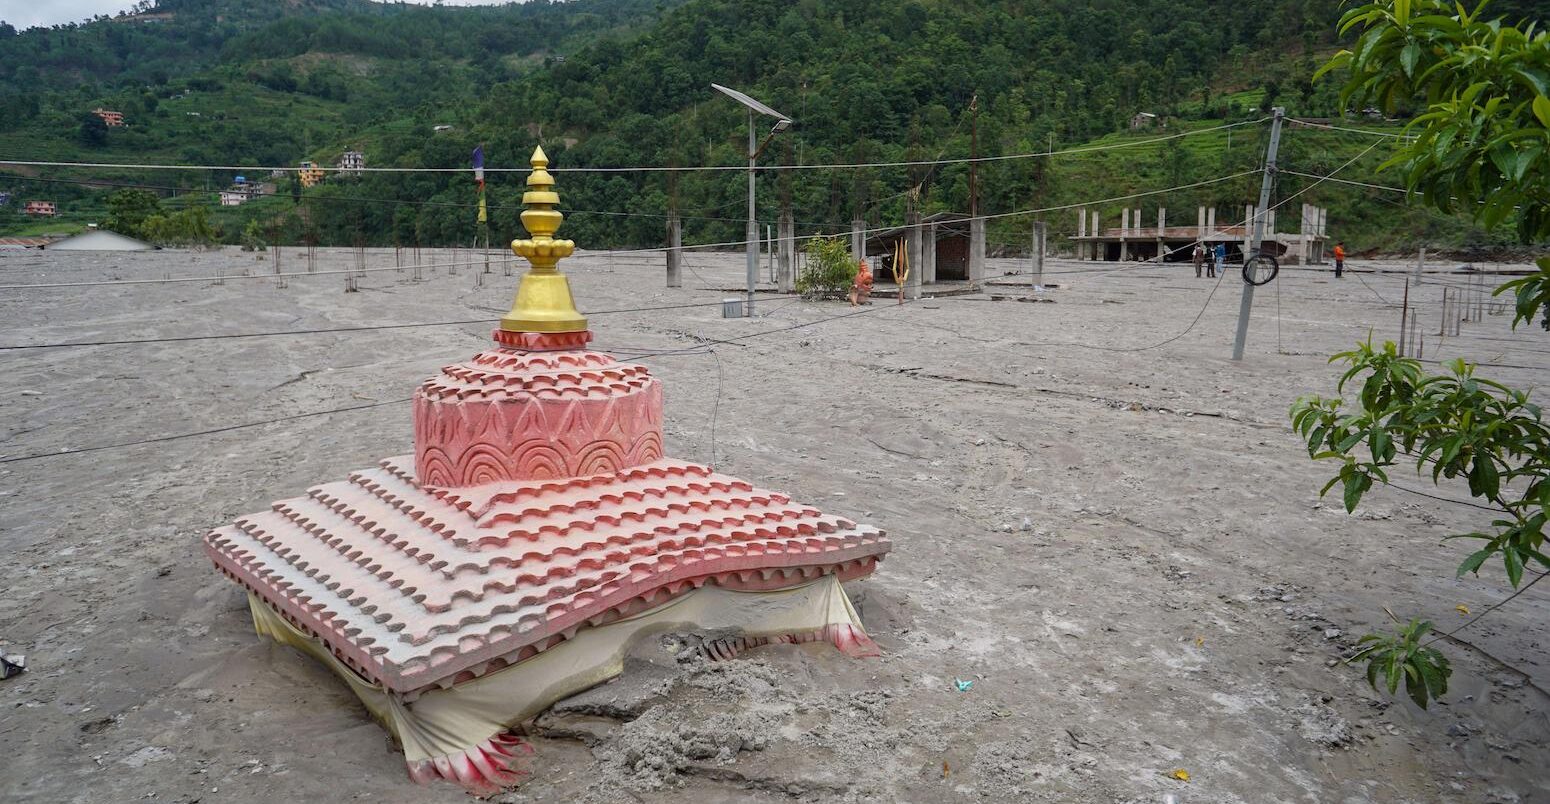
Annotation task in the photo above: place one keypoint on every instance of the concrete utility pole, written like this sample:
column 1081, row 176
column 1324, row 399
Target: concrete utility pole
column 675, row 251
column 974, row 152
column 786, row 264
column 752, row 233
column 782, row 122
column 1040, row 233
column 1247, row 302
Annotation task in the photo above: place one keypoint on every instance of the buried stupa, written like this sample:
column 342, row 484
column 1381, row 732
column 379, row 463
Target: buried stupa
column 535, row 534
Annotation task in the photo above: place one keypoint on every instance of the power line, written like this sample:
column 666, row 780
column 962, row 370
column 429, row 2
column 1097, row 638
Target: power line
column 648, row 250
column 321, row 331
column 1419, row 493
column 179, row 436
column 700, row 348
column 1368, row 132
column 644, row 168
column 1201, row 314
column 356, row 199
column 1346, row 181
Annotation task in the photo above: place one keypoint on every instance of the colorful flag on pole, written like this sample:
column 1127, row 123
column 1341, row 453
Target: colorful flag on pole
column 484, row 215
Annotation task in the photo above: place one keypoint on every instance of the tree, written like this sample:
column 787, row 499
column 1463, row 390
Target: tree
column 829, row 271
column 93, row 132
column 1482, row 143
column 1482, row 139
column 189, row 227
column 128, row 211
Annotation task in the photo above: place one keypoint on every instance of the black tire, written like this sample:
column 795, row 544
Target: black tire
column 1263, row 268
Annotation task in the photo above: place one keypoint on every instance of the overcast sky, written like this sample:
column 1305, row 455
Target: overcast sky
column 27, row 13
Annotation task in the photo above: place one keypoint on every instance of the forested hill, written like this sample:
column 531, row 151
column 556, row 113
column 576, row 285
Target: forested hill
column 626, row 82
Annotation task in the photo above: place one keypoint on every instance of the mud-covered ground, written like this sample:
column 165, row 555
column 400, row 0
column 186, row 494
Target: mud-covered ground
column 1122, row 548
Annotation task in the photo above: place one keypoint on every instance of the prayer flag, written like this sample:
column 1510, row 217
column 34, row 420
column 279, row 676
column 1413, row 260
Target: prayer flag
column 479, row 166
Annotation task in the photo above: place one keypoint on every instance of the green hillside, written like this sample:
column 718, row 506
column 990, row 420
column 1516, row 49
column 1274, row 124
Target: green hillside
column 611, row 83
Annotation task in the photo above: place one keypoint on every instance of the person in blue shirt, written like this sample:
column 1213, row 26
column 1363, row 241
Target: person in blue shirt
column 1221, row 259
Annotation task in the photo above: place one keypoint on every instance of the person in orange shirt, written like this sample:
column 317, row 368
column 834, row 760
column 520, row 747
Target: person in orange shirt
column 1339, row 259
column 861, row 288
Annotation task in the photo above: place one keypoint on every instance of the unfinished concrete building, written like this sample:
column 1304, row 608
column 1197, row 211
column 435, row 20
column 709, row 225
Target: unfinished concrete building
column 1132, row 240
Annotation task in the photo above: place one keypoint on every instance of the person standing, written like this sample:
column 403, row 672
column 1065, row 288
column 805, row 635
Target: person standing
column 1219, row 265
column 1339, row 258
column 861, row 288
column 1200, row 258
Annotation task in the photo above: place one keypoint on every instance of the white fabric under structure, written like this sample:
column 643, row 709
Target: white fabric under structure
column 460, row 733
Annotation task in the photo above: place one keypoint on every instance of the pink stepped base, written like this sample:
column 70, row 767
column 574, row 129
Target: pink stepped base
column 537, row 504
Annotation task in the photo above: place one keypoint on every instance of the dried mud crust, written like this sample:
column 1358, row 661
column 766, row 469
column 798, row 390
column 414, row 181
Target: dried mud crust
column 1090, row 539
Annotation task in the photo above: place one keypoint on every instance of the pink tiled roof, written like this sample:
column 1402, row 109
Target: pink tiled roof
column 416, row 586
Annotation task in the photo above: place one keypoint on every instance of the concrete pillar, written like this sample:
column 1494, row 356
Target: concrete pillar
column 1040, row 238
column 857, row 240
column 1124, row 234
column 1081, row 231
column 1323, row 232
column 675, row 252
column 1302, row 237
column 785, row 276
column 1096, row 247
column 1210, row 221
column 912, row 249
column 928, row 254
column 977, row 250
column 1162, row 226
column 1420, row 264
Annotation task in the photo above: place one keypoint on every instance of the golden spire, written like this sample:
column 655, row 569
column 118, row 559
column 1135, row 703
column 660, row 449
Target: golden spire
column 543, row 302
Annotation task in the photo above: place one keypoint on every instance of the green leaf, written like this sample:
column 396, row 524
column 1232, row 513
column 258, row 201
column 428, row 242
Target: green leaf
column 1542, row 110
column 1514, row 564
column 1353, row 491
column 1416, row 685
column 1473, row 562
column 1409, row 56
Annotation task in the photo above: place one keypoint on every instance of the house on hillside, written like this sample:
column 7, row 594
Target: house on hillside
column 110, row 117
column 5, row 199
column 242, row 191
column 1143, row 120
column 351, row 163
column 43, row 209
column 310, row 174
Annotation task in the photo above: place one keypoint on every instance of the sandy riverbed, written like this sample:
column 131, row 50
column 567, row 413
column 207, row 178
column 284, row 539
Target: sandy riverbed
column 1124, row 551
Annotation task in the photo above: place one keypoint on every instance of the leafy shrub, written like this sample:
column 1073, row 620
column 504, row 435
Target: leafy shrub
column 829, row 271
column 253, row 238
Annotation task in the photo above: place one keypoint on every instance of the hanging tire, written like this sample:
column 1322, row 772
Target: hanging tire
column 1263, row 268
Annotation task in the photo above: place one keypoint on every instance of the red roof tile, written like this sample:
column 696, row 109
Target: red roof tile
column 416, row 586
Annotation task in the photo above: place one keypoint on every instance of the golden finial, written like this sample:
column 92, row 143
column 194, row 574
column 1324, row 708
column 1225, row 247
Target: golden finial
column 543, row 302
